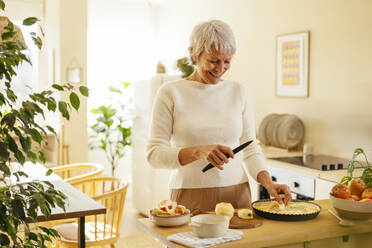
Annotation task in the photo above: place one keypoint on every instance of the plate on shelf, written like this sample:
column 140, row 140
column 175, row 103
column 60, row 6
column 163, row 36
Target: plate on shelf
column 290, row 132
column 271, row 131
column 262, row 128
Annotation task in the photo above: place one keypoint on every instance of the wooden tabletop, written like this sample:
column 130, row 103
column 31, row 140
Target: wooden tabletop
column 78, row 204
column 273, row 233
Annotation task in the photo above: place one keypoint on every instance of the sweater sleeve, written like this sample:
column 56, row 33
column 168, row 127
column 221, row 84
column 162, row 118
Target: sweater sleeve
column 253, row 158
column 159, row 151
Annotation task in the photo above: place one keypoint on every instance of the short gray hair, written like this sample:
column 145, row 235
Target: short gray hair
column 211, row 34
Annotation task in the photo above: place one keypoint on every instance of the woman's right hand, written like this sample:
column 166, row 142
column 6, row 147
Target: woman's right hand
column 214, row 154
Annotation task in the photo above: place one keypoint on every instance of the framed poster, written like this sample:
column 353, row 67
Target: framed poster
column 292, row 64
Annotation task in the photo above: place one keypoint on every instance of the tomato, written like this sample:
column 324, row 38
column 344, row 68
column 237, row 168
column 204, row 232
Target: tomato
column 341, row 191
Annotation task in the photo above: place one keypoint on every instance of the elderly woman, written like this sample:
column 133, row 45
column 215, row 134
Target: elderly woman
column 197, row 120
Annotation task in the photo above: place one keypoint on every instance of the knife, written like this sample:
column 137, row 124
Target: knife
column 236, row 150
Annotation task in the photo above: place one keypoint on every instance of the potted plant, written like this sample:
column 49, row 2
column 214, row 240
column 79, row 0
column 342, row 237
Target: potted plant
column 112, row 129
column 185, row 66
column 352, row 196
column 21, row 139
column 366, row 176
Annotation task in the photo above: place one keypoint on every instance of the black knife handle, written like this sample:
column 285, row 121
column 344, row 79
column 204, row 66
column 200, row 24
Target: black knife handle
column 236, row 150
column 210, row 166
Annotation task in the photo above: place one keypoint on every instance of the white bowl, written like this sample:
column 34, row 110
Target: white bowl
column 209, row 225
column 352, row 209
column 170, row 220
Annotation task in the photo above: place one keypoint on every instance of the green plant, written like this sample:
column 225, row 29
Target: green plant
column 112, row 129
column 184, row 65
column 367, row 172
column 21, row 139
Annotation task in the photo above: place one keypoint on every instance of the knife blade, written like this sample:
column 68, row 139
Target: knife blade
column 236, row 150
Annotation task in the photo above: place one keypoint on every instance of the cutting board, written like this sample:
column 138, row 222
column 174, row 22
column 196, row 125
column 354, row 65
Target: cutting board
column 236, row 222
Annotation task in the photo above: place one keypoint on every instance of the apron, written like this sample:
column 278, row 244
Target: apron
column 205, row 199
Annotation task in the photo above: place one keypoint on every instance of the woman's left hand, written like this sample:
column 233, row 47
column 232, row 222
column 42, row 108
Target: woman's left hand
column 276, row 191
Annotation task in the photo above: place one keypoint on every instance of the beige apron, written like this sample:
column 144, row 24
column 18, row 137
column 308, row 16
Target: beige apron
column 206, row 199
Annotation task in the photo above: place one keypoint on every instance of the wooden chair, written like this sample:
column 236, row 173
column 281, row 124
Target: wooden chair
column 73, row 173
column 104, row 229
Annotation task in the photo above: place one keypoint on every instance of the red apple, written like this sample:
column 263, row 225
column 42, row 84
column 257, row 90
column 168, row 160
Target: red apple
column 357, row 186
column 367, row 193
column 341, row 191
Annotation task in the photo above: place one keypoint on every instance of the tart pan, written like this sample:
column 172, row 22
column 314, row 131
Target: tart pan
column 286, row 217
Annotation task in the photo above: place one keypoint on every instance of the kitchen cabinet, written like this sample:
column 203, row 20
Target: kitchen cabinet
column 346, row 241
column 150, row 185
column 322, row 188
column 300, row 184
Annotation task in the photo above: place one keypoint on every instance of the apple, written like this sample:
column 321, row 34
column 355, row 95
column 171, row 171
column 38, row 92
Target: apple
column 341, row 191
column 366, row 200
column 355, row 197
column 357, row 186
column 367, row 193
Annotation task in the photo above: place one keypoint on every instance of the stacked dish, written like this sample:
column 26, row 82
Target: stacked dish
column 281, row 130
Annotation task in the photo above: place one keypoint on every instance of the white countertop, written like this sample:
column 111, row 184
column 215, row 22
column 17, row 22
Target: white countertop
column 333, row 176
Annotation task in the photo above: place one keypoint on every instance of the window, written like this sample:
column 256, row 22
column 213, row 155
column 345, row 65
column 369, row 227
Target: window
column 26, row 80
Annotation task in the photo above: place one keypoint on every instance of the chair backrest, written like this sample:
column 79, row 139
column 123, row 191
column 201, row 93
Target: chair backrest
column 73, row 173
column 110, row 192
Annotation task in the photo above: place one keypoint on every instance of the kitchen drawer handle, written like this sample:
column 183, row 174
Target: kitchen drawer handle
column 295, row 185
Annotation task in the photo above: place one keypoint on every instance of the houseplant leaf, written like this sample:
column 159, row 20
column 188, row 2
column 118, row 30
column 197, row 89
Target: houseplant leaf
column 74, row 100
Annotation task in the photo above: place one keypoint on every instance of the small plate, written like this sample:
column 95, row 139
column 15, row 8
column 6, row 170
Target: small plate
column 235, row 221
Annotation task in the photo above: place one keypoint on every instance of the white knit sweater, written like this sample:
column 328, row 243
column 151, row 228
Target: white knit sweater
column 189, row 113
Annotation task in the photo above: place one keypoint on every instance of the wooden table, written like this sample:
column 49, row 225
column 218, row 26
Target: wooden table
column 323, row 231
column 78, row 206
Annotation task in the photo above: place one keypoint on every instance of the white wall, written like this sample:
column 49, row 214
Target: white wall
column 19, row 10
column 337, row 114
column 73, row 38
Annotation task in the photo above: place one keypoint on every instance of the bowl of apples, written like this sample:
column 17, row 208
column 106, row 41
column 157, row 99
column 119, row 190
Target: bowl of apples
column 352, row 197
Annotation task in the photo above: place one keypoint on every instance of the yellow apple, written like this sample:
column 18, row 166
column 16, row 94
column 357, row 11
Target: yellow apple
column 367, row 193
